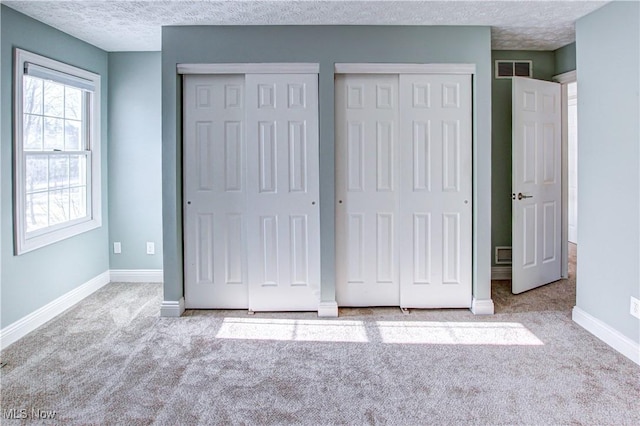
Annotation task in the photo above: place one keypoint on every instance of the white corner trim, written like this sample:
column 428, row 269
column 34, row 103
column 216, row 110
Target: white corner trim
column 172, row 308
column 482, row 307
column 567, row 77
column 608, row 335
column 136, row 275
column 347, row 68
column 501, row 272
column 35, row 319
column 266, row 68
column 328, row 309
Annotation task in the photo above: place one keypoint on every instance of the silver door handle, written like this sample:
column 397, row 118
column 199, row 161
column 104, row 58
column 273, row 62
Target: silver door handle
column 521, row 196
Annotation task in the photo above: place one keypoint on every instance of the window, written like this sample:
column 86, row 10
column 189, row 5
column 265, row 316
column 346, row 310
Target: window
column 508, row 69
column 57, row 182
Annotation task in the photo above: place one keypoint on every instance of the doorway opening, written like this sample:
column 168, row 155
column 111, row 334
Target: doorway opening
column 559, row 295
column 570, row 232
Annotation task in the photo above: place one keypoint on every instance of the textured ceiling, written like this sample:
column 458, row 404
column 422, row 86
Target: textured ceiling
column 128, row 25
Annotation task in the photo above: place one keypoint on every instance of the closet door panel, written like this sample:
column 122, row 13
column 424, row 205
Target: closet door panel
column 215, row 210
column 435, row 204
column 366, row 189
column 283, row 223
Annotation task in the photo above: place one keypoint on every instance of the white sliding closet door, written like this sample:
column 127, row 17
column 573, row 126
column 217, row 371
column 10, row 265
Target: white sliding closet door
column 435, row 191
column 283, row 226
column 403, row 188
column 251, row 221
column 366, row 188
column 215, row 192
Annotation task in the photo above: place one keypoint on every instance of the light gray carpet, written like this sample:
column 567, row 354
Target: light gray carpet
column 113, row 360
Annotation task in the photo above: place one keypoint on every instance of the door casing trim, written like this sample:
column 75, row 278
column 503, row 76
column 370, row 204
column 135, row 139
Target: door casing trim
column 372, row 68
column 250, row 68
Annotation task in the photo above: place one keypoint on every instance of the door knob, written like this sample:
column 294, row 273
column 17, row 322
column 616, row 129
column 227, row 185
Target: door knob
column 521, row 196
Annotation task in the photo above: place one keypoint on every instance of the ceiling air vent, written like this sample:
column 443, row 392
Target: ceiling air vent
column 508, row 69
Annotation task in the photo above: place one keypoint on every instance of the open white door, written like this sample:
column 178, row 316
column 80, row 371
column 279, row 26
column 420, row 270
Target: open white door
column 536, row 185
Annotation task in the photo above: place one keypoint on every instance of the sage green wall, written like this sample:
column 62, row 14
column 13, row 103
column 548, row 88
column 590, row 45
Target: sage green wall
column 325, row 45
column 36, row 278
column 608, row 61
column 135, row 142
column 565, row 58
column 543, row 69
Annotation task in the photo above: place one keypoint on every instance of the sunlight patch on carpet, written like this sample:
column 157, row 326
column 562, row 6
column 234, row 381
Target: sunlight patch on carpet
column 457, row 333
column 290, row 329
column 390, row 332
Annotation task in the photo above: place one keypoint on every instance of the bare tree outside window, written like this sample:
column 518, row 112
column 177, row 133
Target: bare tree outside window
column 55, row 162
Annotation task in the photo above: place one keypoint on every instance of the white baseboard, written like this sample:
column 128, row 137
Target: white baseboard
column 610, row 336
column 136, row 275
column 27, row 324
column 172, row 308
column 482, row 306
column 328, row 309
column 501, row 272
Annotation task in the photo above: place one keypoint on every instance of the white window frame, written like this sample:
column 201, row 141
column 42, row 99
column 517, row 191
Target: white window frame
column 25, row 242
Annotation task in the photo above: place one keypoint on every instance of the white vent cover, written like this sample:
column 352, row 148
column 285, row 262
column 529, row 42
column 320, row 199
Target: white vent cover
column 503, row 255
column 511, row 68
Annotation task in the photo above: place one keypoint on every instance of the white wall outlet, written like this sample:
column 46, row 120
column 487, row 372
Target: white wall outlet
column 635, row 307
column 151, row 248
column 117, row 248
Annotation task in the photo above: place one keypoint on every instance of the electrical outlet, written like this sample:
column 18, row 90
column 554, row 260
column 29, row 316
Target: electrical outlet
column 635, row 307
column 151, row 248
column 117, row 248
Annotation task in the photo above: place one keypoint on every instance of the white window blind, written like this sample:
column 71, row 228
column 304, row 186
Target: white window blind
column 44, row 73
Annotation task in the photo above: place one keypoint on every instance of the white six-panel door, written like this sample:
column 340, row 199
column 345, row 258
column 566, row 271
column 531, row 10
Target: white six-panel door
column 215, row 192
column 403, row 188
column 435, row 191
column 537, row 191
column 367, row 190
column 252, row 237
column 283, row 173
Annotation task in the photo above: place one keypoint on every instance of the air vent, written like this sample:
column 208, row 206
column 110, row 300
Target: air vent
column 503, row 255
column 508, row 69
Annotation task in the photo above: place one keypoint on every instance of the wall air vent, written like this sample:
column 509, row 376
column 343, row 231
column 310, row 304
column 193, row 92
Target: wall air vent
column 509, row 68
column 503, row 255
